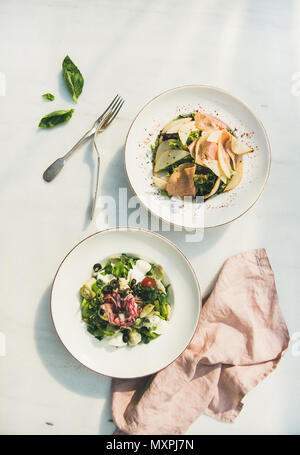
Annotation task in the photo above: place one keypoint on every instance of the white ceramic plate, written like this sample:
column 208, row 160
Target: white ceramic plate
column 222, row 208
column 143, row 359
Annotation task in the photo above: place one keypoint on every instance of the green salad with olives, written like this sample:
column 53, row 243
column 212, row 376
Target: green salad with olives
column 126, row 301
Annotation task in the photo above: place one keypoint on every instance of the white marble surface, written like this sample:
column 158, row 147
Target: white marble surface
column 137, row 48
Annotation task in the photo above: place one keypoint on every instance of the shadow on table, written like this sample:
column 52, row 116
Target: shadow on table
column 106, row 424
column 64, row 368
column 116, row 173
column 211, row 237
column 190, row 244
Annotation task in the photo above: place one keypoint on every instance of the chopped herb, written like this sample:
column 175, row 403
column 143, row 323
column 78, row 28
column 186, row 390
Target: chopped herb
column 121, row 266
column 167, row 136
column 204, row 183
column 48, row 96
column 231, row 132
column 128, row 260
column 177, row 144
column 164, row 193
column 154, row 149
column 187, row 115
column 107, row 269
column 120, row 270
column 147, row 335
column 222, row 187
column 193, row 136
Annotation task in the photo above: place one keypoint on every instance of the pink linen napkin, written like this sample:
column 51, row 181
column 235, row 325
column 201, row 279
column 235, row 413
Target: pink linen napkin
column 240, row 338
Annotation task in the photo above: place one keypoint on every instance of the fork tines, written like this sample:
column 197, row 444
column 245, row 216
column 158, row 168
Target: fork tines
column 112, row 110
column 117, row 104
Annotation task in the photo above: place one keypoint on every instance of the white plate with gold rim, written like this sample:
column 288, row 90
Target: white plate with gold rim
column 220, row 209
column 143, row 359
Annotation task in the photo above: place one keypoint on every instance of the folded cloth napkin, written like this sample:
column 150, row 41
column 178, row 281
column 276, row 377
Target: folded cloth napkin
column 240, row 338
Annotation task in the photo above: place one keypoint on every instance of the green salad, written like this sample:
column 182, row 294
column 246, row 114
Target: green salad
column 126, row 301
column 197, row 154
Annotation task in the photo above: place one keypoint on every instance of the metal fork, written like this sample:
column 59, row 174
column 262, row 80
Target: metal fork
column 110, row 117
column 100, row 124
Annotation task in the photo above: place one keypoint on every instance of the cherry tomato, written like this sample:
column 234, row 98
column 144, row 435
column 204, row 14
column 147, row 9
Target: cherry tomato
column 149, row 283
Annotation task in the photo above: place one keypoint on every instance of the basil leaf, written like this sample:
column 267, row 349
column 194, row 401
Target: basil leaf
column 72, row 77
column 55, row 118
column 48, row 96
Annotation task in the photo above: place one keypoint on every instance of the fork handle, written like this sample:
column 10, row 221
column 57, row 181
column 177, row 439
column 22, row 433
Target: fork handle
column 54, row 168
column 96, row 190
column 81, row 140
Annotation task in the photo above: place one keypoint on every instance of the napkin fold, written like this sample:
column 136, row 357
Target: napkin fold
column 240, row 338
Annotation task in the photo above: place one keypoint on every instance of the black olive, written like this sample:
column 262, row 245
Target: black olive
column 101, row 312
column 97, row 267
column 134, row 289
column 114, row 284
column 107, row 289
column 125, row 337
column 133, row 282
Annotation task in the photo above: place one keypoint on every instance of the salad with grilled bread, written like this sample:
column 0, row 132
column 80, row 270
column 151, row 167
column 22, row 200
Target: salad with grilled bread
column 126, row 301
column 197, row 155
